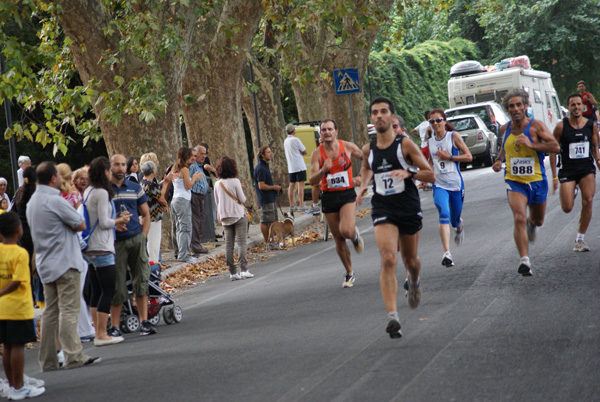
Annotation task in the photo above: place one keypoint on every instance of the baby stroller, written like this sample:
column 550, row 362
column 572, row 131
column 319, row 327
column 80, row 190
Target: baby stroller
column 157, row 299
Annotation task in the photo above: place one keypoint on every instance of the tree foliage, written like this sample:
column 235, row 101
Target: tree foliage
column 559, row 36
column 416, row 79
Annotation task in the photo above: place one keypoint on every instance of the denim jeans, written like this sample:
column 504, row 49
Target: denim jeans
column 236, row 233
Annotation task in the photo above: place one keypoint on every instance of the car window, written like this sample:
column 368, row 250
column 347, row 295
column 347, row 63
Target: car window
column 464, row 124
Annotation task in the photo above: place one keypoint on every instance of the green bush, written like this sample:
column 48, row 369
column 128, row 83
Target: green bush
column 416, row 79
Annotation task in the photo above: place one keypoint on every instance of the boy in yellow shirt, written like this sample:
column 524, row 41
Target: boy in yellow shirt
column 16, row 311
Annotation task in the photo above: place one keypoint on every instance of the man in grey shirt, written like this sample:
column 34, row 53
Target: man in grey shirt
column 54, row 225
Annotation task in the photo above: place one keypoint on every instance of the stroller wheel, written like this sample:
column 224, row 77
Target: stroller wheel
column 177, row 314
column 130, row 323
column 168, row 315
column 154, row 320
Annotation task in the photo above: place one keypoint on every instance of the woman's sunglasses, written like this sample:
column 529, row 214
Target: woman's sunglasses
column 438, row 120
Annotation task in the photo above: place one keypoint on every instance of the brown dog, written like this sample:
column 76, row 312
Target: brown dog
column 281, row 230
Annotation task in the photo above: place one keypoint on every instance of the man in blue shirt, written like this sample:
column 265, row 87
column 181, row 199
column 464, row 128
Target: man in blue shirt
column 199, row 190
column 130, row 247
column 266, row 191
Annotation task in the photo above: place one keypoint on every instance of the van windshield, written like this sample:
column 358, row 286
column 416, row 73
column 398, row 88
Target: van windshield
column 464, row 124
column 480, row 111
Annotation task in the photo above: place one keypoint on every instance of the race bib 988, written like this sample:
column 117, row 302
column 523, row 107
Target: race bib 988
column 522, row 166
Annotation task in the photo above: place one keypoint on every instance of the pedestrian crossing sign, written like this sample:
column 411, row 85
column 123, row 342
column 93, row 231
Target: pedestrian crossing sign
column 346, row 81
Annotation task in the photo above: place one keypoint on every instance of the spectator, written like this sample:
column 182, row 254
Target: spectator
column 157, row 204
column 133, row 168
column 23, row 162
column 22, row 197
column 199, row 190
column 294, row 152
column 150, row 156
column 100, row 253
column 80, row 180
column 16, row 311
column 53, row 221
column 210, row 208
column 130, row 247
column 4, row 205
column 3, row 194
column 181, row 203
column 66, row 190
column 229, row 197
column 266, row 191
column 589, row 102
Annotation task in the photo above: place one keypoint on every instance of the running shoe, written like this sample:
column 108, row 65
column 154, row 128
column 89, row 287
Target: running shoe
column 349, row 280
column 34, row 382
column 525, row 269
column 314, row 210
column 530, row 232
column 146, row 328
column 405, row 286
column 26, row 391
column 581, row 245
column 235, row 277
column 447, row 260
column 576, row 192
column 4, row 388
column 459, row 237
column 115, row 332
column 393, row 328
column 358, row 243
column 246, row 274
column 414, row 294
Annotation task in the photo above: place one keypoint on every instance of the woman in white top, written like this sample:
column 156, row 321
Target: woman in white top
column 229, row 197
column 100, row 253
column 181, row 204
column 445, row 149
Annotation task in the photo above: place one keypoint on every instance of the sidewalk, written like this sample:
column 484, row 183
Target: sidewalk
column 255, row 237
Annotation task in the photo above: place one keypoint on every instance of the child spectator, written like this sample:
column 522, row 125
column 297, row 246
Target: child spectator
column 3, row 205
column 16, row 311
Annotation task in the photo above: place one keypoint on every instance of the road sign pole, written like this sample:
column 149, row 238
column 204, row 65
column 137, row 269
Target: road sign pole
column 357, row 169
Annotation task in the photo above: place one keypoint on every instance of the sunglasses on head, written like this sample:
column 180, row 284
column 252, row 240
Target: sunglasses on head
column 438, row 120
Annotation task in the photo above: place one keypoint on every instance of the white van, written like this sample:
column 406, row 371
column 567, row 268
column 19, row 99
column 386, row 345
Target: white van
column 478, row 87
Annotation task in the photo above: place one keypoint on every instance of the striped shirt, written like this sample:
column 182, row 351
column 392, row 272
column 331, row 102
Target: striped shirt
column 131, row 195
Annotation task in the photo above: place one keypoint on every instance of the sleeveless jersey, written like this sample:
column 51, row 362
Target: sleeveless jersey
column 401, row 196
column 523, row 165
column 576, row 147
column 447, row 174
column 339, row 177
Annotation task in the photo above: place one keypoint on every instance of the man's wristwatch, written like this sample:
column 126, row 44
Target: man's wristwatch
column 412, row 171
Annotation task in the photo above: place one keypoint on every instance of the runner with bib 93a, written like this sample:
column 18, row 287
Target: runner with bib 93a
column 525, row 142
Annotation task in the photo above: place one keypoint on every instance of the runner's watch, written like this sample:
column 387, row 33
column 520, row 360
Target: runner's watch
column 412, row 171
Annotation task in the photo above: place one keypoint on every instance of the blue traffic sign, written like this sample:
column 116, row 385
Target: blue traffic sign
column 346, row 81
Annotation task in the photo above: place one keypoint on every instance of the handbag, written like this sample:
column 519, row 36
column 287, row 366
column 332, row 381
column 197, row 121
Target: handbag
column 238, row 201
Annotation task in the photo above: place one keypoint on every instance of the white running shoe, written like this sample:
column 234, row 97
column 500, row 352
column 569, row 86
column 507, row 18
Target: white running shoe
column 349, row 280
column 447, row 260
column 235, row 277
column 359, row 244
column 525, row 269
column 26, row 391
column 459, row 237
column 34, row 382
column 246, row 274
column 581, row 245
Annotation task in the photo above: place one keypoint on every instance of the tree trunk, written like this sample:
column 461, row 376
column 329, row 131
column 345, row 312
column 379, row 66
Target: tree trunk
column 270, row 119
column 216, row 116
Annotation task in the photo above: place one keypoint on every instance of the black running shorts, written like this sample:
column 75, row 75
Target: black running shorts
column 407, row 225
column 564, row 176
column 333, row 201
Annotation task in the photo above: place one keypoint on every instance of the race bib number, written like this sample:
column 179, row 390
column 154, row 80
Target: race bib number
column 443, row 166
column 387, row 185
column 522, row 166
column 579, row 150
column 338, row 180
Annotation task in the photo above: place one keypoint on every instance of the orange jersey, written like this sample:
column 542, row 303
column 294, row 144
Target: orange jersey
column 339, row 177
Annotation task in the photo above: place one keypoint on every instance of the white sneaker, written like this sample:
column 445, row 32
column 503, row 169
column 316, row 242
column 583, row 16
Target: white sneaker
column 34, row 382
column 246, row 274
column 4, row 388
column 459, row 237
column 358, row 243
column 235, row 277
column 61, row 358
column 447, row 260
column 26, row 391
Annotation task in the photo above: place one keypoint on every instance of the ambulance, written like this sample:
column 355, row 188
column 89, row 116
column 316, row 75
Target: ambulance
column 471, row 83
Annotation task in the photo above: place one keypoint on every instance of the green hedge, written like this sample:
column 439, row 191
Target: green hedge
column 416, row 79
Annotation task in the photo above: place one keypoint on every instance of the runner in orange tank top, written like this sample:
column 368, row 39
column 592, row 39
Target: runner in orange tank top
column 331, row 165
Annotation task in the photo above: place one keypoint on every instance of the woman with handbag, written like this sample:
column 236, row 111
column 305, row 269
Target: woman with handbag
column 231, row 212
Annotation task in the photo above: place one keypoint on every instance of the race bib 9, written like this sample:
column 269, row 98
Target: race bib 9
column 387, row 185
column 441, row 166
column 522, row 166
column 579, row 150
column 338, row 180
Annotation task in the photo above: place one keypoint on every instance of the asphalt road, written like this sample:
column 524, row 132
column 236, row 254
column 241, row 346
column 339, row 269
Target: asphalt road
column 481, row 333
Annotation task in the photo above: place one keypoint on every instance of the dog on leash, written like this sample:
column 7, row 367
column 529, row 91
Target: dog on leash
column 278, row 231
